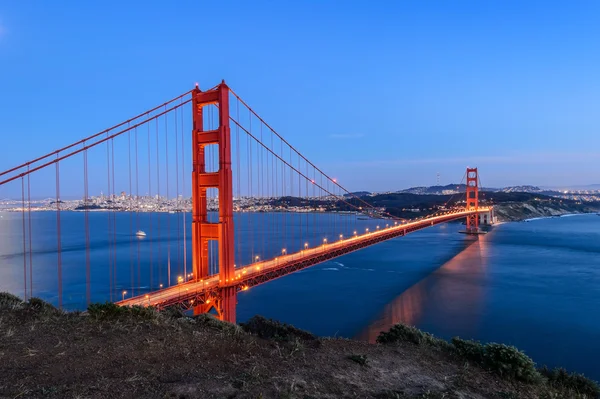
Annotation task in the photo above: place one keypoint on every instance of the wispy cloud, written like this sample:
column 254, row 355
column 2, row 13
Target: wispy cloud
column 346, row 136
column 521, row 158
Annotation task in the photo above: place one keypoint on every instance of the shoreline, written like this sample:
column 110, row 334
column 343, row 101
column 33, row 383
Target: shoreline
column 557, row 216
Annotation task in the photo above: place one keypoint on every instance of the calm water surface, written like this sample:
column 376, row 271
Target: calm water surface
column 534, row 285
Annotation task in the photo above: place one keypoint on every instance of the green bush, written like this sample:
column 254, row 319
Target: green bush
column 271, row 329
column 560, row 378
column 208, row 320
column 510, row 362
column 10, row 301
column 470, row 350
column 111, row 311
column 40, row 306
column 402, row 332
column 507, row 361
column 172, row 312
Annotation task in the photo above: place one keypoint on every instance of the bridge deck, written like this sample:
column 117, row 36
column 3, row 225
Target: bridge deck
column 205, row 291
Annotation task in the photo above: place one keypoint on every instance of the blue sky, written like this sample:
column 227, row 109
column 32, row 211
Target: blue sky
column 382, row 95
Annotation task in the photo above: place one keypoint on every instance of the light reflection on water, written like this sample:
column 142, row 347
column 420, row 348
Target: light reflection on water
column 440, row 289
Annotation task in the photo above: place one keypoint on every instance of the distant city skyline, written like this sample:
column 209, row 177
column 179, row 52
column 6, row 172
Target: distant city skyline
column 382, row 96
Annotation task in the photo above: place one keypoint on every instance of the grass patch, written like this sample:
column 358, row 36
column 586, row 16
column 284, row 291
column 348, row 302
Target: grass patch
column 10, row 301
column 360, row 359
column 271, row 329
column 560, row 378
column 111, row 311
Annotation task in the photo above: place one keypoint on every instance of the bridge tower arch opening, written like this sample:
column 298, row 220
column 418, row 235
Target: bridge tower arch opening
column 203, row 231
column 472, row 200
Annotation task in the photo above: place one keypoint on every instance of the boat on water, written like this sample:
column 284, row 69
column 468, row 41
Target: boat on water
column 140, row 233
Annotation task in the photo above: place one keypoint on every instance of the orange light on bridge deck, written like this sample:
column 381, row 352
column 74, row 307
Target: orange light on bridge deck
column 355, row 232
column 341, row 236
column 124, row 292
column 377, row 227
column 366, row 230
column 257, row 267
column 256, row 258
column 160, row 285
column 244, row 272
column 305, row 245
column 395, row 223
column 179, row 279
column 245, row 288
column 208, row 301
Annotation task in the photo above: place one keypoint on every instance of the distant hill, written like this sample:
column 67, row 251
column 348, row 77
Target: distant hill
column 357, row 194
column 522, row 189
column 441, row 190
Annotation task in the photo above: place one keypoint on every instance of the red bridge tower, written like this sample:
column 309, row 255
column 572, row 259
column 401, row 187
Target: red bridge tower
column 202, row 230
column 472, row 200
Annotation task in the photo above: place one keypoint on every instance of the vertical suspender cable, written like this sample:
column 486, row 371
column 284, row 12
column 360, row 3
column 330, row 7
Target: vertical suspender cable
column 29, row 217
column 150, row 213
column 137, row 210
column 24, row 240
column 130, row 209
column 177, row 198
column 183, row 210
column 160, row 269
column 58, row 235
column 167, row 193
column 86, row 212
column 110, row 279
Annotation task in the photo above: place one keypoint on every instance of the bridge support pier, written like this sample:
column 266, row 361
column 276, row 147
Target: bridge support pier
column 227, row 304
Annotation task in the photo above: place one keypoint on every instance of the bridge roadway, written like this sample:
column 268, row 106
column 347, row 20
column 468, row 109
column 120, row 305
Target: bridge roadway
column 205, row 291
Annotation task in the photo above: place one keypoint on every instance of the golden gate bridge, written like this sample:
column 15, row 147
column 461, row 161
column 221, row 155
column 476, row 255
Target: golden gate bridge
column 237, row 161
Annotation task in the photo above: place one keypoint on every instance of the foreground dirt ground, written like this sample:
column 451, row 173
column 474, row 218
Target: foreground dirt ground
column 45, row 353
